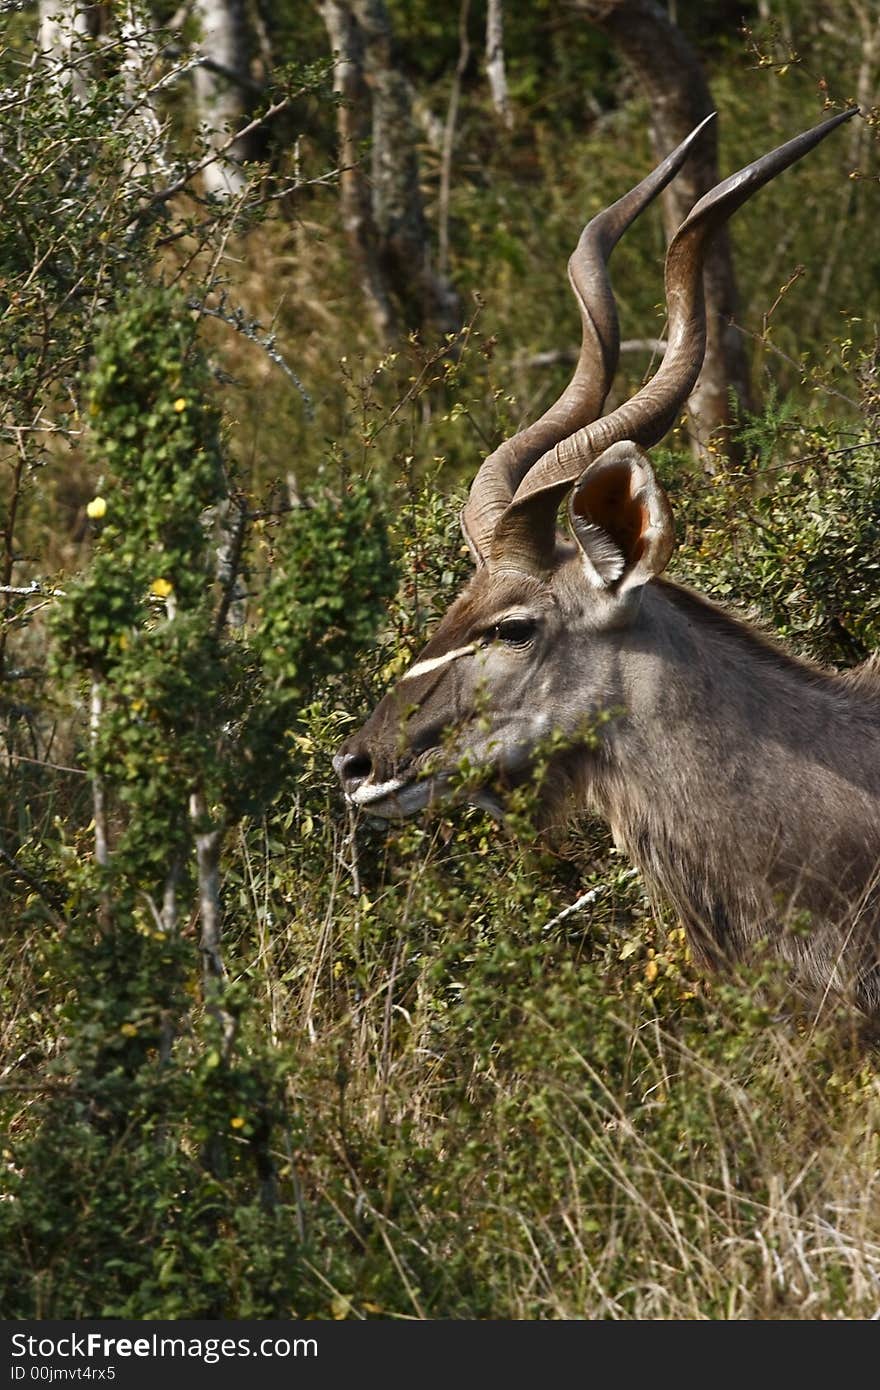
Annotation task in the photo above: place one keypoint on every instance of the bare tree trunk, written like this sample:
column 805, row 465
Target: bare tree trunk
column 353, row 127
column 99, row 799
column 495, row 70
column 147, row 150
column 669, row 71
column 222, row 83
column 448, row 143
column 867, row 19
column 386, row 221
column 397, row 196
column 99, row 803
column 63, row 34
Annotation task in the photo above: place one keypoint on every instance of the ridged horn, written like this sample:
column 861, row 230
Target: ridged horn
column 525, row 537
column 501, row 473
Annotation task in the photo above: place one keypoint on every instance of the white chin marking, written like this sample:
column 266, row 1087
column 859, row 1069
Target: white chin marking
column 396, row 800
column 423, row 668
column 392, row 800
column 375, row 791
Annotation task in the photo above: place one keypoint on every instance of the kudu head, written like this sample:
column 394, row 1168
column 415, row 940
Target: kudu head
column 532, row 645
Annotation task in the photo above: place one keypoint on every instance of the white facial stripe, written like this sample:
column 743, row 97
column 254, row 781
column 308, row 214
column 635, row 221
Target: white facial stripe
column 434, row 663
column 374, row 791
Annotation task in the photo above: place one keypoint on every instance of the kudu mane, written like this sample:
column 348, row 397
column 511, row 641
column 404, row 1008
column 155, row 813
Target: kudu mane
column 761, row 646
column 743, row 781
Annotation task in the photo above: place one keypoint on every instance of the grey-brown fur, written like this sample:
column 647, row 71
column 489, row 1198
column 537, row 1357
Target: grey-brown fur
column 744, row 783
column 760, row 802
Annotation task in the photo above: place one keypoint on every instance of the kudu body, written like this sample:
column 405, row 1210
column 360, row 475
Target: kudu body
column 745, row 784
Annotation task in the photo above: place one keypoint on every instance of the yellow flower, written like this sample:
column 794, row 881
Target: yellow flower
column 96, row 508
column 237, row 1122
column 180, row 404
column 128, row 1030
column 161, row 588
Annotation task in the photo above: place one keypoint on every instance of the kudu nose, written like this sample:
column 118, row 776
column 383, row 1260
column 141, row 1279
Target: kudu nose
column 352, row 768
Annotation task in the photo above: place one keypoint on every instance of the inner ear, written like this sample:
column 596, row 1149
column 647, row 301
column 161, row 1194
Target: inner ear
column 621, row 517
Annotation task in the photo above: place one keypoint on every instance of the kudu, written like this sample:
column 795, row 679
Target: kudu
column 744, row 784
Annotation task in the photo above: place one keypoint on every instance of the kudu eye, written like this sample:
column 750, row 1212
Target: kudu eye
column 516, row 632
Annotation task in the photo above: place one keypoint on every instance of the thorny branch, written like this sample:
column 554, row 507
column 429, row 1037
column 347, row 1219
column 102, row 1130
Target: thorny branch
column 32, row 590
column 251, row 329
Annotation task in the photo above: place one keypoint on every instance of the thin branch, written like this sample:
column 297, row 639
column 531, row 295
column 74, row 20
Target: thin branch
column 585, row 900
column 162, row 195
column 24, row 615
column 42, row 429
column 569, row 355
column 239, row 79
column 804, row 458
column 796, row 274
column 53, row 767
column 30, row 590
column 768, row 343
column 250, row 329
column 459, row 343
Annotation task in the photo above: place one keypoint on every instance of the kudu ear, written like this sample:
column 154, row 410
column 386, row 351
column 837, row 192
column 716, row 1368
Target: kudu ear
column 621, row 519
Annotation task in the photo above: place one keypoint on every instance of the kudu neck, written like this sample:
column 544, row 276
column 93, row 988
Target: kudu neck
column 746, row 786
column 725, row 737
